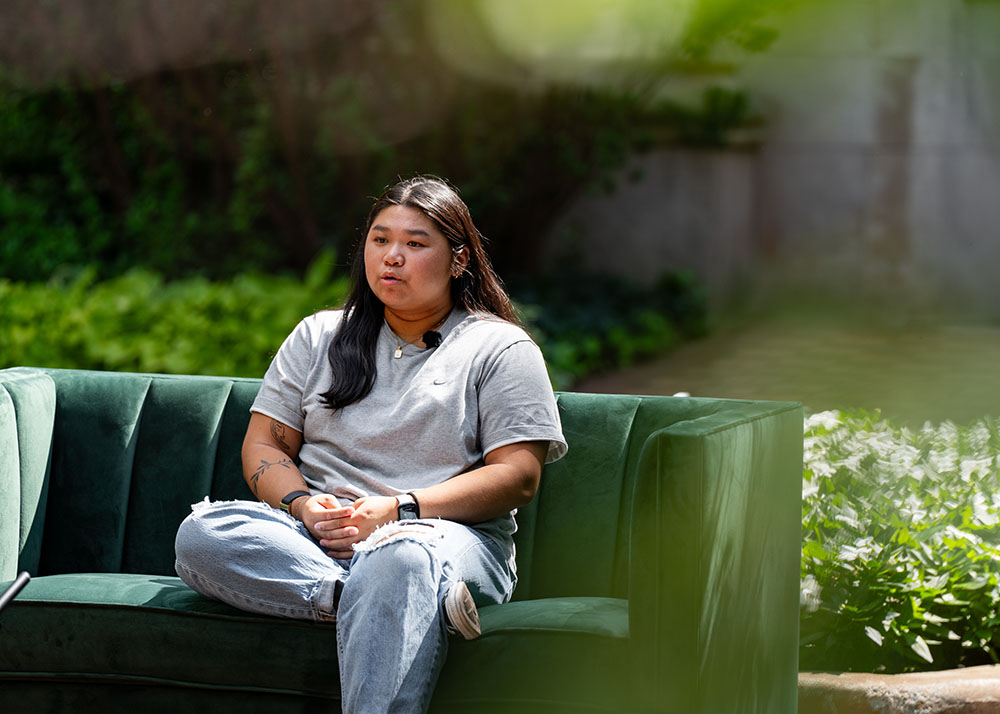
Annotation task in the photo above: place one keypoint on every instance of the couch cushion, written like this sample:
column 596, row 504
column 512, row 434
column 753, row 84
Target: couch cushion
column 154, row 631
column 552, row 655
column 139, row 627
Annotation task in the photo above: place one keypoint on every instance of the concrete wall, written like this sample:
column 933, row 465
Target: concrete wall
column 878, row 174
column 690, row 210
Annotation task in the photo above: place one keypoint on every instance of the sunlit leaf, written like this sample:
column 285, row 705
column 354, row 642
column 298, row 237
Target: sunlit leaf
column 920, row 647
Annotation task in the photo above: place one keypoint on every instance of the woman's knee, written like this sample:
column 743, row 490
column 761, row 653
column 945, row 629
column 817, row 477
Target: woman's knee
column 206, row 528
column 192, row 540
column 397, row 556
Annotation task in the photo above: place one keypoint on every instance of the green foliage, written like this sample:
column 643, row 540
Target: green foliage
column 709, row 124
column 104, row 177
column 108, row 176
column 740, row 22
column 901, row 551
column 590, row 322
column 49, row 212
column 137, row 322
column 259, row 163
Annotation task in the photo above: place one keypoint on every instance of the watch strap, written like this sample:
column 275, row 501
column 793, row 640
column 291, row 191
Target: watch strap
column 286, row 502
column 416, row 502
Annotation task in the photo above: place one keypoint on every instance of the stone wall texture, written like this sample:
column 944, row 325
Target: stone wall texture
column 877, row 173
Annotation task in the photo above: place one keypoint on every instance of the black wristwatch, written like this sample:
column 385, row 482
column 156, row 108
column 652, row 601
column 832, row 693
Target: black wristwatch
column 286, row 502
column 408, row 507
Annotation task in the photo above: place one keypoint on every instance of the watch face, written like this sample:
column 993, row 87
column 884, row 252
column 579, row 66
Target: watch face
column 407, row 510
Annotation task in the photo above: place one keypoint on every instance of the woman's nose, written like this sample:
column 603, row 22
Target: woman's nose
column 392, row 256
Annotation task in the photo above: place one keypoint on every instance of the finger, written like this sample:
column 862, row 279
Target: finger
column 336, row 510
column 341, row 554
column 335, row 513
column 340, row 535
column 330, row 525
column 339, row 544
column 343, row 536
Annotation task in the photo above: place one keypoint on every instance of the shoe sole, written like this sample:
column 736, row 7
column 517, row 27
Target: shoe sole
column 460, row 608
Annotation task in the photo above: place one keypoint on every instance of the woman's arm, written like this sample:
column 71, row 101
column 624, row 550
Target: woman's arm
column 269, row 452
column 507, row 480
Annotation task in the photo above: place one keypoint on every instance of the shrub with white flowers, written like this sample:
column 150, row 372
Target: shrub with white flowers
column 901, row 544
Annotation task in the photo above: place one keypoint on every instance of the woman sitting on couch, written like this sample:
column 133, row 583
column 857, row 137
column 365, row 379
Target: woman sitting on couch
column 389, row 446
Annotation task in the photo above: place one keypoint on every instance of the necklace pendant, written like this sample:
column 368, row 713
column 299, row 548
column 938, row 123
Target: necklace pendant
column 398, row 353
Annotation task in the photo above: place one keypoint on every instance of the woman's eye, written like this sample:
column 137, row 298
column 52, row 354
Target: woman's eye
column 415, row 244
column 378, row 239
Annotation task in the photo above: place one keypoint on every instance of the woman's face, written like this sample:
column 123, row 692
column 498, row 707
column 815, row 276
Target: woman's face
column 408, row 263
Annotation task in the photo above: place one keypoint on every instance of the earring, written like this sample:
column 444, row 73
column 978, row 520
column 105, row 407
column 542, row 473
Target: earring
column 457, row 270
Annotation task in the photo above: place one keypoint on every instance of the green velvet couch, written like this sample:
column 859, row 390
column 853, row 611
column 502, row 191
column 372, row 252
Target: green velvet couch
column 659, row 562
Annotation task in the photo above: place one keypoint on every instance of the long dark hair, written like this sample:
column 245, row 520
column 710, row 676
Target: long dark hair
column 477, row 288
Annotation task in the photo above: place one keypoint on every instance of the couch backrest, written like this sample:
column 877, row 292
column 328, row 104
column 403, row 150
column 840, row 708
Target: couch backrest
column 132, row 452
column 573, row 538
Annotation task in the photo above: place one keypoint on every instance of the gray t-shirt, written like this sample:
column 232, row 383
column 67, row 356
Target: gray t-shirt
column 432, row 414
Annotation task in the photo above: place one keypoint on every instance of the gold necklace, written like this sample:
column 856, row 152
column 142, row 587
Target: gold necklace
column 398, row 354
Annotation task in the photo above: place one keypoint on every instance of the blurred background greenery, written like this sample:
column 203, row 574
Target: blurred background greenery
column 146, row 148
column 672, row 164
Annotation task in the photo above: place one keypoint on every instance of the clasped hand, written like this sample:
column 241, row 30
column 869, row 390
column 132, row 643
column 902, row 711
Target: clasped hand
column 338, row 528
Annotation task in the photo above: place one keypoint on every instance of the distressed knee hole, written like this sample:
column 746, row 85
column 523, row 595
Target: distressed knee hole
column 415, row 531
column 405, row 531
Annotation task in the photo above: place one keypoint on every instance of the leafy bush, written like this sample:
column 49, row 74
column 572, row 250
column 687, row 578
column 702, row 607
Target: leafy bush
column 901, row 548
column 138, row 322
column 591, row 322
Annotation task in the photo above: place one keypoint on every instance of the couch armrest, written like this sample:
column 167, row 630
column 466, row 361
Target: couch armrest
column 714, row 562
column 27, row 414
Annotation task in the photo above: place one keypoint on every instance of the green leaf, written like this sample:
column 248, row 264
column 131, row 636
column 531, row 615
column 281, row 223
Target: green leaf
column 922, row 650
column 812, row 549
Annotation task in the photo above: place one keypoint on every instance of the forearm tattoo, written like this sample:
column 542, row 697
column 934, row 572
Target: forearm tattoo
column 278, row 434
column 264, row 466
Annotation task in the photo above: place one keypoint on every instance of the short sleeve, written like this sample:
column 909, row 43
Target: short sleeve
column 516, row 402
column 280, row 395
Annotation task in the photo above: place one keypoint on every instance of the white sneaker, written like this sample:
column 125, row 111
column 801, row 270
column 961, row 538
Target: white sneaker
column 460, row 612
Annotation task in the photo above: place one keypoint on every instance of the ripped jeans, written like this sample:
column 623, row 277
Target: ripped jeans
column 391, row 630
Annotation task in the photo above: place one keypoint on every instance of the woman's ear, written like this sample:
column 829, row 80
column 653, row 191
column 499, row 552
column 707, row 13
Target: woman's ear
column 459, row 261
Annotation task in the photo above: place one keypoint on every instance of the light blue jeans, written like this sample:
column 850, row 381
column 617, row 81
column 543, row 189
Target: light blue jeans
column 391, row 630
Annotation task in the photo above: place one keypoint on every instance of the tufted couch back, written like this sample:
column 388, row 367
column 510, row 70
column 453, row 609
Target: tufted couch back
column 127, row 456
column 110, row 462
